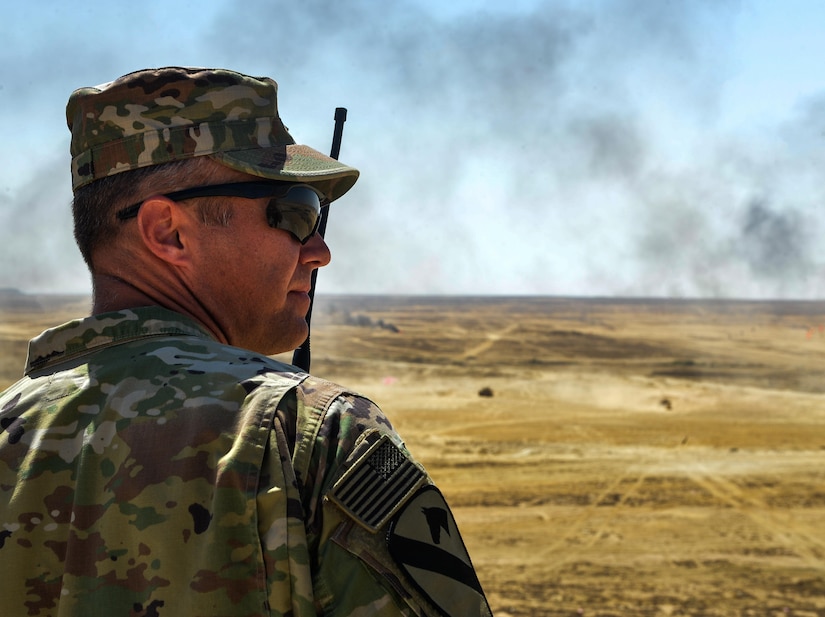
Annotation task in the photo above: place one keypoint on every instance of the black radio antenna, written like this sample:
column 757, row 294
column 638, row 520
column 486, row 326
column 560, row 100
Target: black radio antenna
column 302, row 356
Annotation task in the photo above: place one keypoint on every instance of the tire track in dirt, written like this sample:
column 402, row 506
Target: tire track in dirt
column 492, row 339
column 572, row 536
column 801, row 540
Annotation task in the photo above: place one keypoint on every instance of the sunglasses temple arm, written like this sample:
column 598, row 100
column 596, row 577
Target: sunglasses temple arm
column 302, row 356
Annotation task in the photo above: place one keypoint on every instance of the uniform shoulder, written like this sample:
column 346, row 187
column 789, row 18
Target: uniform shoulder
column 341, row 404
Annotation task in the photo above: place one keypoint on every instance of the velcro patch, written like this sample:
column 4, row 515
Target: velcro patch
column 377, row 484
column 424, row 541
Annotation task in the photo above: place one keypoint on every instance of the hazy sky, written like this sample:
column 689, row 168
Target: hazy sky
column 645, row 148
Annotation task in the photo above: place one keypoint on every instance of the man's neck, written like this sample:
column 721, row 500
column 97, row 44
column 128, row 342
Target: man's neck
column 112, row 293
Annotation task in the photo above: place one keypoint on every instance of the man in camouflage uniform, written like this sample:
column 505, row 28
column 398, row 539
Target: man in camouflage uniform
column 153, row 460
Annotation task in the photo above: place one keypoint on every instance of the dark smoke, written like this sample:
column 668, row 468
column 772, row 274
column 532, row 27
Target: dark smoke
column 567, row 148
column 342, row 316
column 774, row 243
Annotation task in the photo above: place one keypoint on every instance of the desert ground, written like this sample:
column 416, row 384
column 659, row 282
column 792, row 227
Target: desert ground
column 602, row 456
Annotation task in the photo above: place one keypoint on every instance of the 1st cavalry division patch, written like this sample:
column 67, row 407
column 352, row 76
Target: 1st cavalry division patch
column 422, row 537
column 377, row 484
column 424, row 541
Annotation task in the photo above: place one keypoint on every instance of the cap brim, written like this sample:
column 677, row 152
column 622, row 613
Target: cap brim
column 294, row 163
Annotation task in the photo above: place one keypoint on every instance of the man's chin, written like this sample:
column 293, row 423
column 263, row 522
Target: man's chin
column 288, row 341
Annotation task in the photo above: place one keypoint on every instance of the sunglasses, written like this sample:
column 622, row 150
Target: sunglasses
column 295, row 208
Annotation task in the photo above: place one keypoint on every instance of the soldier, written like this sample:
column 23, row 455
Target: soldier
column 154, row 461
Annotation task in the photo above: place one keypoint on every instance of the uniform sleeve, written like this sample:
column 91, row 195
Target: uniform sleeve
column 381, row 537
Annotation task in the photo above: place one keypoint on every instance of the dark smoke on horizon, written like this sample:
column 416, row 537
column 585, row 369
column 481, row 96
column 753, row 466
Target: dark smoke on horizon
column 565, row 149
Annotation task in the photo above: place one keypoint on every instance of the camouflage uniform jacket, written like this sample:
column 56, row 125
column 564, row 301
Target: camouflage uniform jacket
column 148, row 470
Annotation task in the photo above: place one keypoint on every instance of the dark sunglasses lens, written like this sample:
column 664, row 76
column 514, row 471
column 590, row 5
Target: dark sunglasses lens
column 297, row 212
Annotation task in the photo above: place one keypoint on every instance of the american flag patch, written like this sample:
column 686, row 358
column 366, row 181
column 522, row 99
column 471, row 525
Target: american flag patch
column 377, row 484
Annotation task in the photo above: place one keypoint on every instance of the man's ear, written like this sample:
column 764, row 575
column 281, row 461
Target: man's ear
column 162, row 226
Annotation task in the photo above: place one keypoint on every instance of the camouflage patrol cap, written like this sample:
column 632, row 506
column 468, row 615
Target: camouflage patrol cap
column 167, row 114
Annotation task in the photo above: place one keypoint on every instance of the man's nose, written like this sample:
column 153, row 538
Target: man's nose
column 316, row 251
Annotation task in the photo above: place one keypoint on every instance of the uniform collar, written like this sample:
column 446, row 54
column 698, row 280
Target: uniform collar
column 83, row 336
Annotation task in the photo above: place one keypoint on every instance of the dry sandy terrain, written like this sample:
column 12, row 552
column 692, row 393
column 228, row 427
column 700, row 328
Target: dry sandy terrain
column 635, row 457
